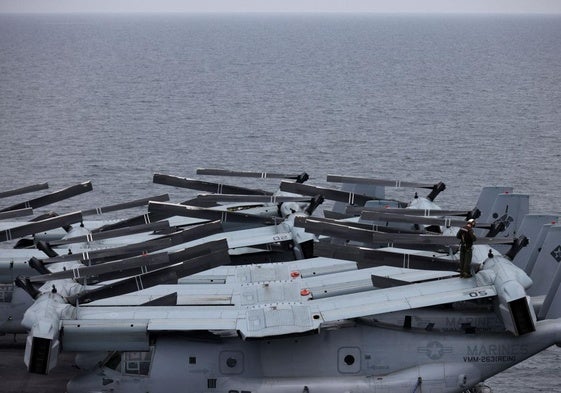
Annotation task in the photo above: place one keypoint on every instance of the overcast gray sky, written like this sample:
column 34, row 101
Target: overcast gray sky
column 473, row 6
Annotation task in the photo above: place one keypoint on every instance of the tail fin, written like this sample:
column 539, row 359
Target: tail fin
column 535, row 249
column 487, row 198
column 510, row 209
column 532, row 228
column 547, row 263
column 551, row 307
column 507, row 211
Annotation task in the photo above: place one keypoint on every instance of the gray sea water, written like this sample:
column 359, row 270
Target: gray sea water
column 467, row 100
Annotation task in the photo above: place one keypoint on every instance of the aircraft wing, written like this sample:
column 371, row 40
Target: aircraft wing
column 286, row 319
column 277, row 316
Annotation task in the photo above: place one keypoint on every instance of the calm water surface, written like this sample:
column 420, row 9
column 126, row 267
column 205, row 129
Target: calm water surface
column 468, row 100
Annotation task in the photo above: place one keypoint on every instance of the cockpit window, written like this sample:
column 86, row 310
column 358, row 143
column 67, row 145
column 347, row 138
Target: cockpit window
column 137, row 363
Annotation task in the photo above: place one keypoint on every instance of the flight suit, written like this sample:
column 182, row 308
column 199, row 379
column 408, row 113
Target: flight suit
column 467, row 238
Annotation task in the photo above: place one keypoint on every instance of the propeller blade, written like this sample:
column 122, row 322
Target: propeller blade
column 40, row 226
column 99, row 256
column 132, row 266
column 175, row 257
column 421, row 220
column 347, row 232
column 205, row 214
column 301, row 223
column 436, row 188
column 24, row 190
column 150, row 217
column 166, row 275
column 411, row 212
column 146, row 218
column 328, row 193
column 84, row 272
column 126, row 205
column 132, row 284
column 273, row 199
column 199, row 185
column 369, row 257
column 377, row 182
column 53, row 197
column 92, row 237
column 16, row 213
column 300, row 178
column 154, row 216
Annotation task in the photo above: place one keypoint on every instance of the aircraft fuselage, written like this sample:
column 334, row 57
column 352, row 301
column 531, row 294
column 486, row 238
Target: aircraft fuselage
column 358, row 359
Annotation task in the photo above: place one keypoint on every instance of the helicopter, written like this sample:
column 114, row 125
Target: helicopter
column 268, row 342
column 282, row 349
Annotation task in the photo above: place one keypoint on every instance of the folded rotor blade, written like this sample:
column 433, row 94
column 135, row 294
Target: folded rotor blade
column 273, row 199
column 166, row 275
column 301, row 223
column 16, row 213
column 261, row 175
column 375, row 237
column 24, row 190
column 328, row 193
column 133, row 284
column 205, row 214
column 53, row 197
column 92, row 237
column 84, row 272
column 40, row 226
column 369, row 257
column 421, row 220
column 199, row 185
column 411, row 212
column 100, row 256
column 435, row 188
column 174, row 257
column 377, row 182
column 146, row 218
column 135, row 265
column 126, row 205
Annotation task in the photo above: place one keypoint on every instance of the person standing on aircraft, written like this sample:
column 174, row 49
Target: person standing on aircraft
column 467, row 238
